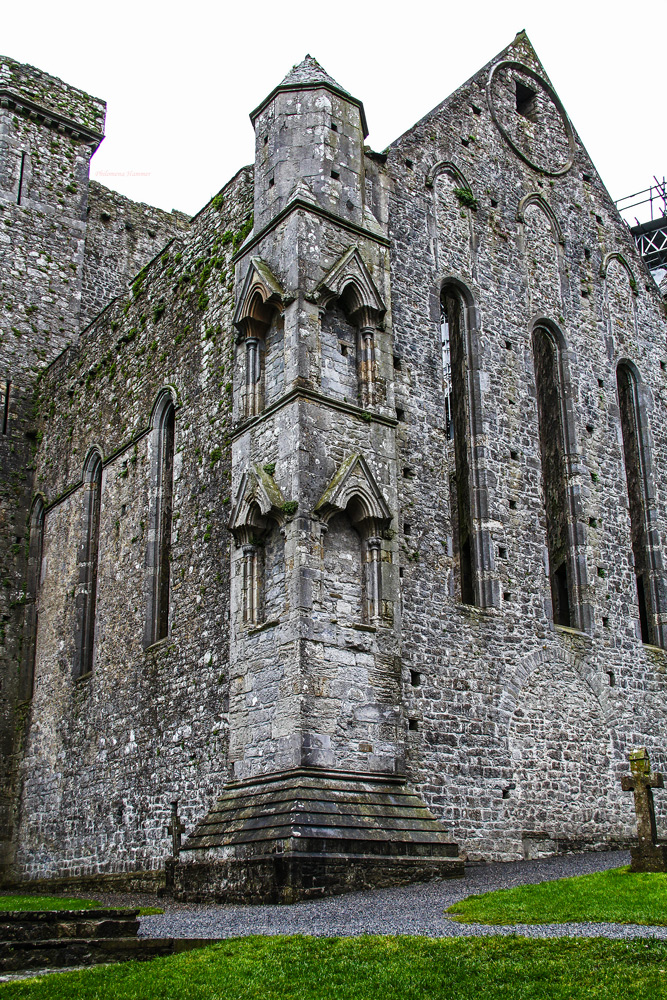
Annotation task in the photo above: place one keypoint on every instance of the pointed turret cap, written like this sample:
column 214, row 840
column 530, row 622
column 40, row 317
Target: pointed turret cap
column 309, row 75
column 310, row 72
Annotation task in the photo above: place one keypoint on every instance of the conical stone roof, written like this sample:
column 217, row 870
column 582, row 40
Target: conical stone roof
column 309, row 72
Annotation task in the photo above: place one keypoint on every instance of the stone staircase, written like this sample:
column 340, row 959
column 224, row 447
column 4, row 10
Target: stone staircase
column 48, row 939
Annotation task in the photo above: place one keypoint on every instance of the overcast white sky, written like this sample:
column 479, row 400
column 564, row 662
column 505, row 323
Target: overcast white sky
column 180, row 78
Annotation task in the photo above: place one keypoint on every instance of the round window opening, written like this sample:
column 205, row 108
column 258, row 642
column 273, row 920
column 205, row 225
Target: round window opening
column 530, row 117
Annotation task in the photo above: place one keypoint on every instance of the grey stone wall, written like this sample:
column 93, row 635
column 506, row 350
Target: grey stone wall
column 121, row 237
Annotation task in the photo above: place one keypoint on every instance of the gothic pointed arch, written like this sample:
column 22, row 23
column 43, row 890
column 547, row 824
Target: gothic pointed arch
column 535, row 198
column 349, row 277
column 31, row 609
column 465, row 449
column 260, row 298
column 354, row 481
column 565, row 530
column 158, row 552
column 260, row 294
column 615, row 255
column 86, row 596
column 353, row 496
column 259, row 513
column 645, row 538
column 350, row 284
column 448, row 167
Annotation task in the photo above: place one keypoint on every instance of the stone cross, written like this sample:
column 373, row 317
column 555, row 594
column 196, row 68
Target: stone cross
column 175, row 828
column 642, row 782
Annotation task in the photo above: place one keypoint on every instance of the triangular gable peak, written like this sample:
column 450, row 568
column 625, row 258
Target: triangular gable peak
column 258, row 499
column 260, row 295
column 354, row 484
column 351, row 277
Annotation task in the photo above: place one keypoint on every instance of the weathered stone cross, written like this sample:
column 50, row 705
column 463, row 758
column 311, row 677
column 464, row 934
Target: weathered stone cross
column 175, row 828
column 648, row 855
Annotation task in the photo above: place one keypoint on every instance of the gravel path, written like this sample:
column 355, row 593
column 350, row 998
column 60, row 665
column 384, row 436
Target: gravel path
column 413, row 909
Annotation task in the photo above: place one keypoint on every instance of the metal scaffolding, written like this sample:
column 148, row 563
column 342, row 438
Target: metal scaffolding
column 650, row 236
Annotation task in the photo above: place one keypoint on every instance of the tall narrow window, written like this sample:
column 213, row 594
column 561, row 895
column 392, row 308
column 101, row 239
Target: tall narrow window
column 635, row 474
column 88, row 558
column 553, row 451
column 159, row 549
column 452, row 324
column 30, row 620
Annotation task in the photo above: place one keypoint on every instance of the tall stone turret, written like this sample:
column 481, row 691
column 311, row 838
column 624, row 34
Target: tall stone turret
column 317, row 799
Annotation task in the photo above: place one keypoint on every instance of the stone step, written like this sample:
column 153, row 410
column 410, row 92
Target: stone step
column 18, row 956
column 36, row 925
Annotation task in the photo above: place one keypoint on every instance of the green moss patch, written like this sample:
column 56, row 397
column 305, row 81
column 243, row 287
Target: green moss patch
column 615, row 896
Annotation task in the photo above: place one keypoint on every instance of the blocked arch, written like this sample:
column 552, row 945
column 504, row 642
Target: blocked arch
column 535, row 198
column 615, row 255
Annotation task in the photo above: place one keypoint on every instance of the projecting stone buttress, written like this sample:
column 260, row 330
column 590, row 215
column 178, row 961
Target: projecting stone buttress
column 317, row 801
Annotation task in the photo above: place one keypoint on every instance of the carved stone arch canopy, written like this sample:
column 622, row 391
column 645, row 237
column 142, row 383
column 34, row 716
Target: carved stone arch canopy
column 447, row 167
column 354, row 483
column 350, row 280
column 615, row 255
column 258, row 500
column 261, row 294
column 535, row 198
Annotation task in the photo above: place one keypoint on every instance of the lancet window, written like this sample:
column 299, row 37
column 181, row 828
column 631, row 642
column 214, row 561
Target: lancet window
column 158, row 556
column 31, row 609
column 88, row 565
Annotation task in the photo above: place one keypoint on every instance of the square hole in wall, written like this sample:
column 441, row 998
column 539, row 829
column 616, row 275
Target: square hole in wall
column 408, row 472
column 612, row 678
column 409, row 164
column 334, row 127
column 415, row 678
column 494, row 203
column 512, row 504
column 600, row 383
column 663, row 365
column 400, row 414
column 400, row 572
column 593, row 521
column 266, row 140
column 507, row 595
column 587, row 253
column 271, row 182
column 502, row 552
column 601, row 572
column 413, row 725
column 476, row 110
column 335, row 174
column 605, row 622
column 407, row 529
column 598, row 218
column 586, row 177
column 589, row 428
column 343, row 349
column 508, row 345
column 526, row 101
column 398, row 363
column 514, row 455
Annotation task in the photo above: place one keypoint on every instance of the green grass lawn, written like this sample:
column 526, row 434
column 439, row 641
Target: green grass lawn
column 45, row 903
column 615, row 896
column 381, row 968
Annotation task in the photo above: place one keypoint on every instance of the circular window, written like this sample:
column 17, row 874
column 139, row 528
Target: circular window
column 530, row 117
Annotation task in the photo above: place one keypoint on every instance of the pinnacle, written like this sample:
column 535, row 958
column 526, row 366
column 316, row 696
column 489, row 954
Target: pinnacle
column 308, row 71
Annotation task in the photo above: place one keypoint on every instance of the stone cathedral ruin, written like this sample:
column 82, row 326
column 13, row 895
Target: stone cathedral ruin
column 334, row 514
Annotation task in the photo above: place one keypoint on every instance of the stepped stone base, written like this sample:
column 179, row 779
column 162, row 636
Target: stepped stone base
column 649, row 858
column 310, row 832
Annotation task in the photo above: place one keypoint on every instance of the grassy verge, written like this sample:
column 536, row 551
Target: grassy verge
column 45, row 903
column 374, row 968
column 615, row 896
